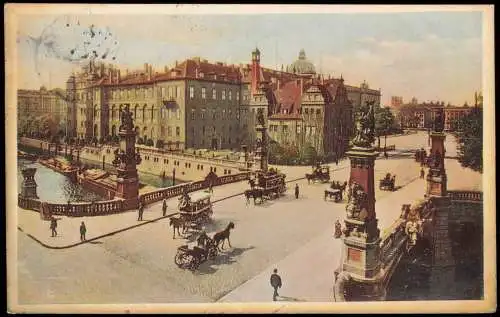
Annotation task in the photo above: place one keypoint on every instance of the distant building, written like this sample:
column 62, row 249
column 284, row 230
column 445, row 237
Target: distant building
column 397, row 101
column 361, row 95
column 42, row 102
column 421, row 116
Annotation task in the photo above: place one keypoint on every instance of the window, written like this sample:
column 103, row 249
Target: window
column 169, row 131
column 163, row 92
column 203, row 130
column 230, row 95
column 203, row 93
column 306, row 111
column 177, row 131
column 191, row 92
column 178, row 92
column 298, row 129
column 193, row 114
column 178, row 114
column 318, row 112
column 214, row 94
column 213, row 114
column 223, row 94
column 202, row 114
column 223, row 114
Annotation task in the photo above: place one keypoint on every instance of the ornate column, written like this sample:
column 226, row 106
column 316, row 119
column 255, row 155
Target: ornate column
column 28, row 187
column 361, row 244
column 261, row 154
column 443, row 263
column 126, row 159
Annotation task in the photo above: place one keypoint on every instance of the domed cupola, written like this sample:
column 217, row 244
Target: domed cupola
column 302, row 65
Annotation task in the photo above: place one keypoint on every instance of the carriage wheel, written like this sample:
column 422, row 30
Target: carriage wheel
column 194, row 263
column 183, row 260
column 212, row 251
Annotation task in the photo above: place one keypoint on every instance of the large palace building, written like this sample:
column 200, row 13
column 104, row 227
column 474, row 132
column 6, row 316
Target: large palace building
column 198, row 104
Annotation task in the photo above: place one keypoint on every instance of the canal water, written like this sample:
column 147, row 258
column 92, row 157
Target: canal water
column 414, row 277
column 53, row 186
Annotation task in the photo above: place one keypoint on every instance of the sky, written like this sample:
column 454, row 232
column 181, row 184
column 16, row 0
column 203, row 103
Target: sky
column 428, row 55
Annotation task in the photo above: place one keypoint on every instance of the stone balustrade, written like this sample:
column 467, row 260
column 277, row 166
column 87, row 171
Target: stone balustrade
column 74, row 209
column 463, row 195
column 169, row 192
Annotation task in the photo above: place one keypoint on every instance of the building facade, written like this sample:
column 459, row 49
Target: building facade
column 198, row 104
column 421, row 116
column 396, row 102
column 42, row 102
column 360, row 96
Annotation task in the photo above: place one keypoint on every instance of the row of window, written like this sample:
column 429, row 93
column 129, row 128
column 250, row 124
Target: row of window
column 192, row 93
column 186, row 165
column 223, row 114
column 307, row 129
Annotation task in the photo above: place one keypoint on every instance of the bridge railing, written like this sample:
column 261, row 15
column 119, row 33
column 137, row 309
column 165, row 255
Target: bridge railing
column 392, row 243
column 169, row 192
column 465, row 195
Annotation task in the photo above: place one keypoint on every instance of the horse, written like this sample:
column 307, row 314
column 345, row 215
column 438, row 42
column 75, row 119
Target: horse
column 254, row 193
column 221, row 236
column 177, row 223
column 310, row 177
column 251, row 182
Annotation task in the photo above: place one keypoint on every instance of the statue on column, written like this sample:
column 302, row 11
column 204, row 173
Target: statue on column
column 126, row 120
column 439, row 121
column 365, row 126
column 260, row 117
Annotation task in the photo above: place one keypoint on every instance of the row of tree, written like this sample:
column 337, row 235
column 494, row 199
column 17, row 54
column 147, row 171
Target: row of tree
column 469, row 133
column 291, row 154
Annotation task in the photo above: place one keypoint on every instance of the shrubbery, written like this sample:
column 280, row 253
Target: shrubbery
column 292, row 155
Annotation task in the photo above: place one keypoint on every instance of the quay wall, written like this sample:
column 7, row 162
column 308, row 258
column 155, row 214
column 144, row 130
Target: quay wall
column 187, row 167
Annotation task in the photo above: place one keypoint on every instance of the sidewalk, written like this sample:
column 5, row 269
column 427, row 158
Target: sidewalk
column 308, row 273
column 68, row 228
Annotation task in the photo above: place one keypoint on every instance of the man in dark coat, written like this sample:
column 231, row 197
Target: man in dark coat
column 83, row 231
column 53, row 226
column 422, row 173
column 164, row 207
column 296, row 191
column 141, row 211
column 275, row 283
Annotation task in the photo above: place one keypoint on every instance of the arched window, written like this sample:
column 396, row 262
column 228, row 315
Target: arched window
column 113, row 130
column 135, row 111
column 144, row 112
column 152, row 113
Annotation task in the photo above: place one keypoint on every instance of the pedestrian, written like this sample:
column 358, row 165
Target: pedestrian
column 386, row 155
column 141, row 210
column 296, row 191
column 210, row 188
column 83, row 231
column 422, row 173
column 53, row 226
column 338, row 229
column 275, row 283
column 164, row 207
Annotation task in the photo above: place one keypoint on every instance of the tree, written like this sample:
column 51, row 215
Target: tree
column 385, row 122
column 469, row 133
column 309, row 154
column 159, row 144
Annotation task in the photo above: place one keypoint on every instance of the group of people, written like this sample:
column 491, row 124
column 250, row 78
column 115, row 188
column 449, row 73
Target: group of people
column 53, row 228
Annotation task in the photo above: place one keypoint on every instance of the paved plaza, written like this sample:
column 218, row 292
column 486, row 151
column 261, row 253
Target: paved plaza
column 137, row 265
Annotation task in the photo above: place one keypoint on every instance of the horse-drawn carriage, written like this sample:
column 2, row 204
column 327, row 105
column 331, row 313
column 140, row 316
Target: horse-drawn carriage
column 388, row 182
column 320, row 173
column 195, row 209
column 335, row 191
column 191, row 258
column 269, row 185
column 421, row 157
column 206, row 248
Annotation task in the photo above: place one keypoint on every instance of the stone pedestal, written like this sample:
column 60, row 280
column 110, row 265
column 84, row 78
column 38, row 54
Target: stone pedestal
column 261, row 155
column 28, row 187
column 436, row 178
column 361, row 249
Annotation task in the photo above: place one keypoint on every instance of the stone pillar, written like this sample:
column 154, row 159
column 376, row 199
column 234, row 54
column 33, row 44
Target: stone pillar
column 361, row 249
column 436, row 178
column 127, row 186
column 28, row 187
column 443, row 263
column 261, row 154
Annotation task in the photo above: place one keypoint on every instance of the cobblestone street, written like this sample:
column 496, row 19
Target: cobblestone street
column 137, row 265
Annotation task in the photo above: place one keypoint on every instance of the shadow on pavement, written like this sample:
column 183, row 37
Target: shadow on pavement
column 96, row 242
column 289, row 299
column 226, row 257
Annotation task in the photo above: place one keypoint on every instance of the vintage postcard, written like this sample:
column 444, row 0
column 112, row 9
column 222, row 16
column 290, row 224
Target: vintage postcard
column 250, row 158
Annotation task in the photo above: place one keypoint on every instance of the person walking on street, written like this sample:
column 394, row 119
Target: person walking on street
column 53, row 226
column 275, row 283
column 164, row 207
column 83, row 231
column 386, row 155
column 141, row 210
column 210, row 188
column 422, row 173
column 338, row 229
column 296, row 191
